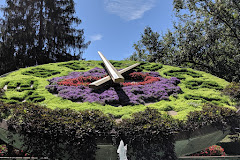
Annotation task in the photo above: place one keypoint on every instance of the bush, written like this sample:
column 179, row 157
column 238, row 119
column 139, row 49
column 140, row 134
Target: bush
column 212, row 114
column 6, row 150
column 233, row 90
column 57, row 133
column 147, row 133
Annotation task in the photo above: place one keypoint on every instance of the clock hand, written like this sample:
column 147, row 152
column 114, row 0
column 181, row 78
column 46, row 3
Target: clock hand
column 99, row 83
column 114, row 74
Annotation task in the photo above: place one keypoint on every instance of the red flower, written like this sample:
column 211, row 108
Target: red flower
column 211, row 151
column 146, row 79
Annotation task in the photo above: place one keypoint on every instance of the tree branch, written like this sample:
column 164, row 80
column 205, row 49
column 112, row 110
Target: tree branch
column 221, row 19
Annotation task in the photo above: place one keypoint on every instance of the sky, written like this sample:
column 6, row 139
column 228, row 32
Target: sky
column 113, row 26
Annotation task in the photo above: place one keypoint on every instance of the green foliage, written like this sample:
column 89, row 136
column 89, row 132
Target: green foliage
column 233, row 90
column 24, row 92
column 116, row 63
column 195, row 84
column 145, row 131
column 149, row 48
column 8, row 101
column 41, row 72
column 200, row 97
column 152, row 66
column 13, row 84
column 150, row 128
column 180, row 73
column 211, row 37
column 119, row 64
column 206, row 36
column 28, row 85
column 23, row 84
column 73, row 65
column 148, row 66
column 65, row 133
column 57, row 133
column 35, row 97
column 168, row 108
column 2, row 84
column 212, row 114
column 38, row 32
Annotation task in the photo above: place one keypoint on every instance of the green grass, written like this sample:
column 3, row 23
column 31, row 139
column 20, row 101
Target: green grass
column 198, row 88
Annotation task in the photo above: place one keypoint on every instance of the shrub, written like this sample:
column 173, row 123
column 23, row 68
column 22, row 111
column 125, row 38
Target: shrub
column 212, row 114
column 57, row 133
column 12, row 152
column 147, row 133
column 233, row 90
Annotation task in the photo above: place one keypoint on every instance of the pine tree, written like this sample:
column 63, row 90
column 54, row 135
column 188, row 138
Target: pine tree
column 41, row 31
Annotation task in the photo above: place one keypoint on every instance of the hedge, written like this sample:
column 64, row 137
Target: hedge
column 64, row 132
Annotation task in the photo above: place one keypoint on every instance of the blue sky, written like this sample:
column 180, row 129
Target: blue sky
column 113, row 26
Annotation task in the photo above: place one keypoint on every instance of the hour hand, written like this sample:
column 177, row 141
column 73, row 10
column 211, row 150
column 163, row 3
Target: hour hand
column 99, row 83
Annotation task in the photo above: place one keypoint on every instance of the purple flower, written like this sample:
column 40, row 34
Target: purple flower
column 126, row 95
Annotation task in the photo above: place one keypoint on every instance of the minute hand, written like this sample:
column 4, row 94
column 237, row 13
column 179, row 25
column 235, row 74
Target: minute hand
column 114, row 74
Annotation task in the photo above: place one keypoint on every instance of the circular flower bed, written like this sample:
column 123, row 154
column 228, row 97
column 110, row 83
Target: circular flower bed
column 139, row 88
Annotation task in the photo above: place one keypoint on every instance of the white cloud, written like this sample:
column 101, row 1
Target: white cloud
column 96, row 37
column 129, row 9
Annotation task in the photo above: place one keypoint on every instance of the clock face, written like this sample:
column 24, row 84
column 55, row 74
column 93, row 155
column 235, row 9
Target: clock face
column 56, row 85
column 138, row 88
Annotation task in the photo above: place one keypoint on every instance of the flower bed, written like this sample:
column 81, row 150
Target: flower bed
column 142, row 88
column 3, row 149
column 213, row 150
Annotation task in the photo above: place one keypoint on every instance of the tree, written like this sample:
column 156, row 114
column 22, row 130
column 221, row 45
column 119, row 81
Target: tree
column 208, row 36
column 149, row 48
column 139, row 54
column 41, row 31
